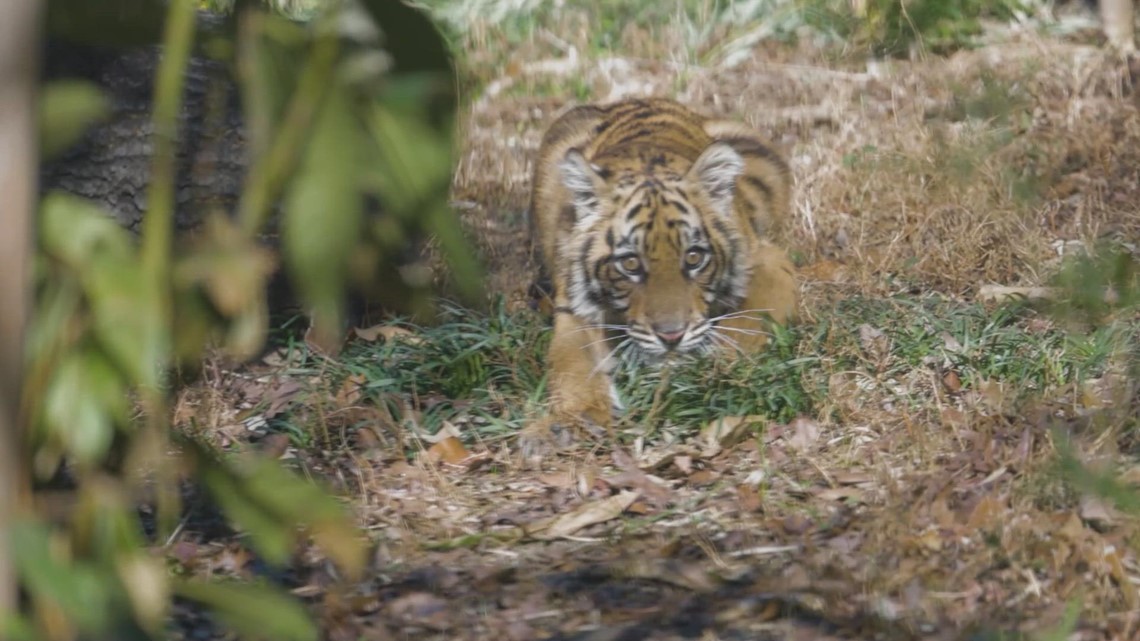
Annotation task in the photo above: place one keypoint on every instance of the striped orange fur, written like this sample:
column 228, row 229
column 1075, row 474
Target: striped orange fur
column 653, row 222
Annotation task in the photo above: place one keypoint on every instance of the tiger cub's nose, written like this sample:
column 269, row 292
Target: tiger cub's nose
column 670, row 335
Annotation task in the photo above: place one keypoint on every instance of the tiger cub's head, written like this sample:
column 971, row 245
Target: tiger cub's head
column 653, row 243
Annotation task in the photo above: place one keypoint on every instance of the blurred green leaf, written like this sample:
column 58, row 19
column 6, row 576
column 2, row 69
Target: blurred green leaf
column 67, row 109
column 84, row 399
column 80, row 590
column 272, row 538
column 268, row 501
column 414, row 175
column 322, row 219
column 246, row 332
column 16, row 628
column 74, row 231
column 296, row 500
column 1104, row 484
column 253, row 611
column 125, row 307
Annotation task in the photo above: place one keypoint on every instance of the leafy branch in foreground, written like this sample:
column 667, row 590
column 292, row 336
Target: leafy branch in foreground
column 116, row 314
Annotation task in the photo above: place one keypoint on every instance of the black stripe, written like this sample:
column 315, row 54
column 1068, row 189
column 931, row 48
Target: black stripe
column 755, row 148
column 759, row 185
column 640, row 133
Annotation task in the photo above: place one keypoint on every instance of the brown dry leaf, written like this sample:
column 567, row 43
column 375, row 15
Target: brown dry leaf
column 584, row 516
column 1098, row 513
column 930, row 540
column 691, row 576
column 825, row 270
column 657, row 493
column 274, row 445
column 366, row 439
column 989, row 511
column 725, row 432
column 953, row 417
column 951, row 381
column 950, row 343
column 660, row 459
column 853, row 494
column 748, row 498
column 684, row 463
column 351, row 390
column 999, row 293
column 421, row 608
column 280, row 397
column 992, row 394
column 805, row 434
column 703, row 477
column 874, row 342
column 387, row 333
column 560, row 480
column 1071, row 527
column 846, row 477
column 1112, row 558
column 633, row 477
column 449, row 450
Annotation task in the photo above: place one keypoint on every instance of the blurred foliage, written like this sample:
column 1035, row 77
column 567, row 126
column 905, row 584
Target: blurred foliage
column 338, row 114
column 899, row 27
column 1099, row 288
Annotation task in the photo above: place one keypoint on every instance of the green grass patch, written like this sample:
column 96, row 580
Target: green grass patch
column 486, row 371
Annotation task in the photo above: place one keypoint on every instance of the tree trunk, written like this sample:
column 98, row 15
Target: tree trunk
column 111, row 164
column 19, row 32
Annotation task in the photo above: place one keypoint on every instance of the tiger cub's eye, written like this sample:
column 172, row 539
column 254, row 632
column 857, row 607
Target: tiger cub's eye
column 631, row 264
column 694, row 257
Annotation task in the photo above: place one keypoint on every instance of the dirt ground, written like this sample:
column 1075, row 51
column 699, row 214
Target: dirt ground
column 910, row 507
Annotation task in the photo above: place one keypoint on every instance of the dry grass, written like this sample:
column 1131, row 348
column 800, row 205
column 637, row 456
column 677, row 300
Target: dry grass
column 912, row 491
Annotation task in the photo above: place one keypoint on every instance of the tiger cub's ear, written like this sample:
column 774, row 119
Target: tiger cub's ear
column 716, row 171
column 582, row 180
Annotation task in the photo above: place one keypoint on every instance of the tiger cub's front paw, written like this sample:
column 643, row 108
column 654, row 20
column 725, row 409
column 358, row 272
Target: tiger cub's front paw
column 557, row 431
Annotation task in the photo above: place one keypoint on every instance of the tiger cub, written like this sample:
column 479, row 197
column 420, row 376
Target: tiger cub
column 652, row 222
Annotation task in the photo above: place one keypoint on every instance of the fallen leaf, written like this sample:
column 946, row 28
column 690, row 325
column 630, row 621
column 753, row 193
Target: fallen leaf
column 950, row 343
column 274, row 445
column 366, row 439
column 446, row 431
column 684, row 463
column 725, row 432
column 874, row 342
column 585, row 515
column 795, row 524
column 449, row 450
column 1097, row 513
column 951, row 382
column 841, row 494
column 825, row 270
column 999, row 293
column 351, row 390
column 953, row 417
column 642, row 482
column 387, row 333
column 748, row 498
column 421, row 608
column 845, row 477
column 986, row 514
column 280, row 397
column 560, row 480
column 703, row 477
column 805, row 434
